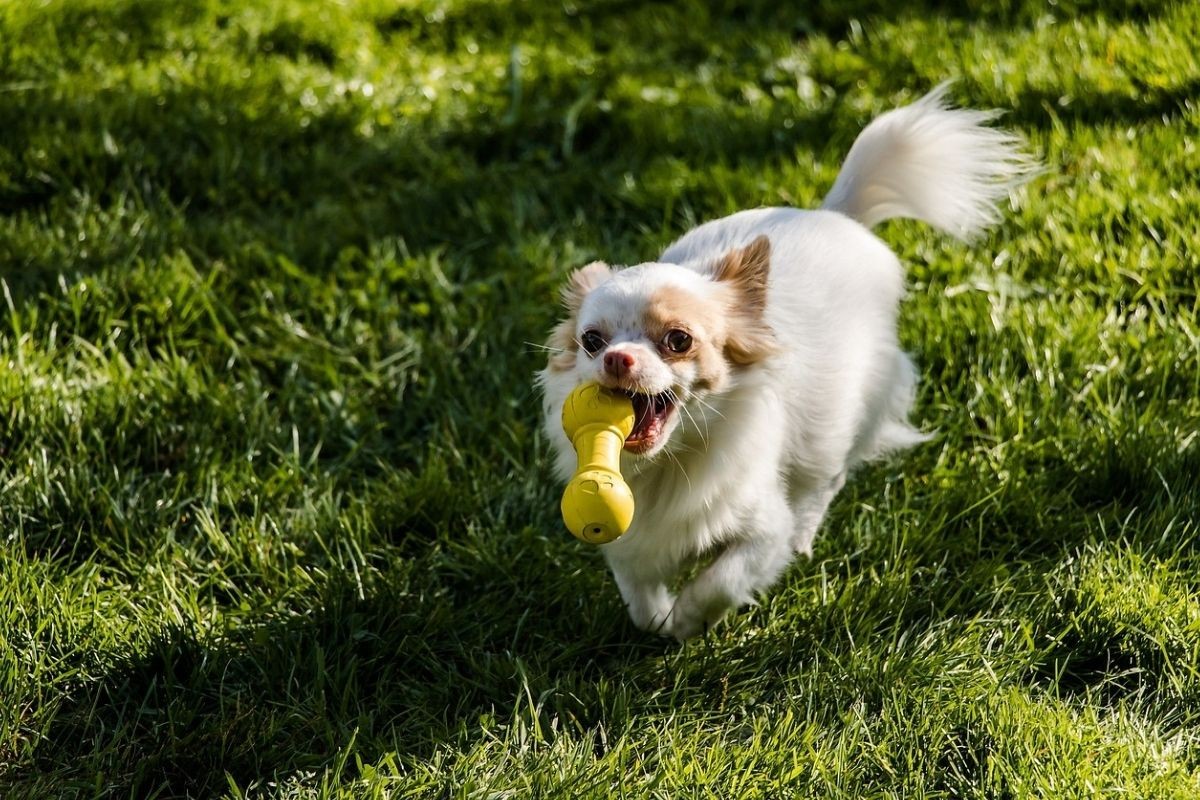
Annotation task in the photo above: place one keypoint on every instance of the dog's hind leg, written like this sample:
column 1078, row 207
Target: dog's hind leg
column 808, row 508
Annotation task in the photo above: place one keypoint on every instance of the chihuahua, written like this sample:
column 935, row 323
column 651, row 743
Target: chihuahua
column 761, row 355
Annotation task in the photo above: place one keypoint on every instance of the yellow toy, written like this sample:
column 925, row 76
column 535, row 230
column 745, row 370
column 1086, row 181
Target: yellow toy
column 597, row 505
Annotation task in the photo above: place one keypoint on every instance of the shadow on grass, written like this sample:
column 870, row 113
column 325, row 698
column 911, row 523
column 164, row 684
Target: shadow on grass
column 212, row 178
column 192, row 169
column 439, row 653
column 233, row 162
column 396, row 671
column 1130, row 496
column 1154, row 103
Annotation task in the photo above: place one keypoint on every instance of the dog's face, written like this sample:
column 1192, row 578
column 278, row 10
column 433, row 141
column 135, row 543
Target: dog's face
column 664, row 334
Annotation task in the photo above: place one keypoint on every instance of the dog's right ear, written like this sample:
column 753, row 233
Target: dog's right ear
column 582, row 281
column 745, row 271
column 562, row 342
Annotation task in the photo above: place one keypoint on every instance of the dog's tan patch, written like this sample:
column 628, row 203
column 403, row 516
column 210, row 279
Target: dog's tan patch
column 562, row 346
column 744, row 271
column 671, row 308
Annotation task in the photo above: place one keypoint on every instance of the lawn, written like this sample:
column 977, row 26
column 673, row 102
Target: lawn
column 277, row 518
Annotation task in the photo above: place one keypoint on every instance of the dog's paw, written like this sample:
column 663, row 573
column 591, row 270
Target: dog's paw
column 690, row 618
column 653, row 613
column 684, row 627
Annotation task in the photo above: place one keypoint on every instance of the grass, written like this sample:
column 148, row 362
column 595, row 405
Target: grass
column 277, row 520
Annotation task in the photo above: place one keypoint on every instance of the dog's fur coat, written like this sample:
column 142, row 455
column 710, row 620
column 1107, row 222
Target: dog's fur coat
column 762, row 353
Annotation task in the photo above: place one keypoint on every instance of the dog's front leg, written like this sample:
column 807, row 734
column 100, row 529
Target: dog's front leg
column 644, row 592
column 746, row 567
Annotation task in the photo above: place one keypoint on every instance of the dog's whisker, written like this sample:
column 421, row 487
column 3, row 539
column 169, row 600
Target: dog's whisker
column 691, row 416
column 675, row 399
column 679, row 464
column 707, row 409
column 710, row 407
column 545, row 347
column 704, row 435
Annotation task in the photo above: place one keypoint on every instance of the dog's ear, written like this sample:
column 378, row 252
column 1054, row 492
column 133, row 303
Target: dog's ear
column 562, row 338
column 582, row 281
column 745, row 271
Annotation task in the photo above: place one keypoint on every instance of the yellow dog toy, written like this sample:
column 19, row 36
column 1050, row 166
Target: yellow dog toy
column 597, row 505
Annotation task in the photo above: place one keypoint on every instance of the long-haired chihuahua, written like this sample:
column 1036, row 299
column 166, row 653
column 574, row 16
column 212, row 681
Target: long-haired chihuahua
column 761, row 354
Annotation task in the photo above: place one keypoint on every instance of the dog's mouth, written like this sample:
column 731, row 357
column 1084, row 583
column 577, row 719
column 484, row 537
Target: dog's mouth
column 651, row 412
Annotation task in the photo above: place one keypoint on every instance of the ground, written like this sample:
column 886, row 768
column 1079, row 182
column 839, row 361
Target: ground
column 277, row 520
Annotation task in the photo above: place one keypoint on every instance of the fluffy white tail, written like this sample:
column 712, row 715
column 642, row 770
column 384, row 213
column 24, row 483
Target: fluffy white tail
column 931, row 162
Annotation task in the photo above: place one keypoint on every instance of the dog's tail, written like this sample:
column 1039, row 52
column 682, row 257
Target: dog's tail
column 931, row 162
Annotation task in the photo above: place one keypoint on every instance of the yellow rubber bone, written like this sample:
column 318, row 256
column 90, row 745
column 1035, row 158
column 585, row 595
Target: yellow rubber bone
column 597, row 505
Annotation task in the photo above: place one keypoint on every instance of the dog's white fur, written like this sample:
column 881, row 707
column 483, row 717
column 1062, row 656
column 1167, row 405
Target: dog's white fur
column 750, row 460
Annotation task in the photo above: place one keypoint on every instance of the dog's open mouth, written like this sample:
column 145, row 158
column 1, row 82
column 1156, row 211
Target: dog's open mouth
column 651, row 412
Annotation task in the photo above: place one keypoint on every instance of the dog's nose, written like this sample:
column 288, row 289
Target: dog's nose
column 618, row 364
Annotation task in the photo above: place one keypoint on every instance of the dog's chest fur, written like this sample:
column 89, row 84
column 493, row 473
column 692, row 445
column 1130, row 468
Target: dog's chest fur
column 700, row 493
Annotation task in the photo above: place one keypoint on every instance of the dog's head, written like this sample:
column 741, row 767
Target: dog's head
column 667, row 335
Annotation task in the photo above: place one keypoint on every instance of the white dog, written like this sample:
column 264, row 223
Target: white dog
column 760, row 351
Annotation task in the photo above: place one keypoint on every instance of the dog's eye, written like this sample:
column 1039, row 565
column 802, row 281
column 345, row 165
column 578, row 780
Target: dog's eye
column 592, row 342
column 677, row 341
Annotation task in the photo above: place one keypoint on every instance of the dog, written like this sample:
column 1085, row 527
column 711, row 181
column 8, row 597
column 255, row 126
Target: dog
column 761, row 356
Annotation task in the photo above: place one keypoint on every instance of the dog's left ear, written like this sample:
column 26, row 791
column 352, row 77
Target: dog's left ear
column 582, row 281
column 745, row 270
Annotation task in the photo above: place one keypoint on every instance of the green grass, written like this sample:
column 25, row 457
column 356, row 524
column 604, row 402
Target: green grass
column 277, row 519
